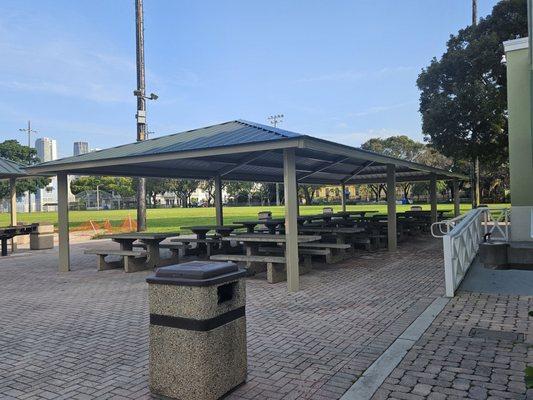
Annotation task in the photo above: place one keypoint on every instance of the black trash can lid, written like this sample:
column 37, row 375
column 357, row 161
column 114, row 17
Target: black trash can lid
column 197, row 273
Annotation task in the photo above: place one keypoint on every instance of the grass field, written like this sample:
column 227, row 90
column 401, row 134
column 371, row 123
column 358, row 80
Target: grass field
column 172, row 219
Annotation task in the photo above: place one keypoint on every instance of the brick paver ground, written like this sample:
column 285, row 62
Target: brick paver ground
column 448, row 363
column 84, row 334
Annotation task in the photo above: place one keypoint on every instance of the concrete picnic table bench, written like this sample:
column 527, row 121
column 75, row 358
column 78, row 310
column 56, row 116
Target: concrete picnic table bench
column 255, row 261
column 134, row 260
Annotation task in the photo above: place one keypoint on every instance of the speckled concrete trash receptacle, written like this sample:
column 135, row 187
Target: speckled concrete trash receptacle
column 197, row 330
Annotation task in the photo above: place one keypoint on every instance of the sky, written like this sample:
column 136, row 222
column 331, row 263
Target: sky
column 342, row 70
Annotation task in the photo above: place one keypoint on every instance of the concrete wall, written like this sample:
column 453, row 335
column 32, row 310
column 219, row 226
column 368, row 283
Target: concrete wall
column 520, row 144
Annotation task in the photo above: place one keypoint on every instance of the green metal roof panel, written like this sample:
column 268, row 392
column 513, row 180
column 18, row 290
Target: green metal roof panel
column 226, row 134
column 10, row 169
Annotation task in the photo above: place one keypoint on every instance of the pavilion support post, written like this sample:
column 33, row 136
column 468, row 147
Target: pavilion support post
column 433, row 197
column 218, row 200
column 391, row 207
column 291, row 226
column 343, row 197
column 13, row 209
column 62, row 211
column 456, row 199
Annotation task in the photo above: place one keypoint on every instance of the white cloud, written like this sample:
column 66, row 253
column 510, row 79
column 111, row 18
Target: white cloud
column 353, row 76
column 61, row 66
column 379, row 109
column 357, row 138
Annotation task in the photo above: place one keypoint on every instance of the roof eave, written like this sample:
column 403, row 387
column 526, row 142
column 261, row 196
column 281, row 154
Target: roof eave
column 278, row 144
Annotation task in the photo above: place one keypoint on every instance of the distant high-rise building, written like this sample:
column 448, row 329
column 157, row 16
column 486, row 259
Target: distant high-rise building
column 46, row 149
column 81, row 148
column 46, row 198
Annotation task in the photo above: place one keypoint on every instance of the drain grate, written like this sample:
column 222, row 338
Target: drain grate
column 496, row 335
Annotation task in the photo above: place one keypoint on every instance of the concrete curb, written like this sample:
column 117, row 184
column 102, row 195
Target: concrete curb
column 365, row 387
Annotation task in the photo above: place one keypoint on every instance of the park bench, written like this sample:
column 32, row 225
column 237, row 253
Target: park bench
column 204, row 247
column 275, row 265
column 178, row 250
column 132, row 260
column 333, row 251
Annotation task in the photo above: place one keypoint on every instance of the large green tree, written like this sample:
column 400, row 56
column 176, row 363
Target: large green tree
column 119, row 185
column 14, row 151
column 463, row 94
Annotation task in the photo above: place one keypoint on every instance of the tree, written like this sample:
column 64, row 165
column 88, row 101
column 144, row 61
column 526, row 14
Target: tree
column 463, row 97
column 308, row 193
column 183, row 188
column 14, row 151
column 240, row 191
column 118, row 185
column 399, row 147
column 155, row 186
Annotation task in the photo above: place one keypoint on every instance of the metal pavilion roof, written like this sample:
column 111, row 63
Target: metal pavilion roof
column 11, row 169
column 242, row 150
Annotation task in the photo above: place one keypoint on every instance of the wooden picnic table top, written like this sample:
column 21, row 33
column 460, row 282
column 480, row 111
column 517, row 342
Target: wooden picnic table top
column 141, row 236
column 262, row 237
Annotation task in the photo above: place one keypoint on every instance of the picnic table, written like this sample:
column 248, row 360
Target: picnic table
column 204, row 242
column 343, row 235
column 10, row 232
column 253, row 256
column 151, row 240
column 272, row 224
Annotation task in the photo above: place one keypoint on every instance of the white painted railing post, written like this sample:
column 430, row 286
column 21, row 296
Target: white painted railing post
column 449, row 274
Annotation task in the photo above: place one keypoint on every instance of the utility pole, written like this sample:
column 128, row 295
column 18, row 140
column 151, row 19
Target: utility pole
column 28, row 131
column 141, row 109
column 275, row 120
column 476, row 193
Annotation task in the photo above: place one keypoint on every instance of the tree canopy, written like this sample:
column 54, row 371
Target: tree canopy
column 463, row 94
column 14, row 151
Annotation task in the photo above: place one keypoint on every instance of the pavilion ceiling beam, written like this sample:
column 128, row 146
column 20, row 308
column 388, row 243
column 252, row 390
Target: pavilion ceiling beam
column 244, row 161
column 323, row 168
column 357, row 171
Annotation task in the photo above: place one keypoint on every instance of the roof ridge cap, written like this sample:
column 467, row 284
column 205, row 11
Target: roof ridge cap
column 274, row 130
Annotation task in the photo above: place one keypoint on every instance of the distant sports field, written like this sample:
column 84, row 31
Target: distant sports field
column 171, row 219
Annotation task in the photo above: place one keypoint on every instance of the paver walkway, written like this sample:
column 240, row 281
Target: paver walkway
column 84, row 334
column 461, row 355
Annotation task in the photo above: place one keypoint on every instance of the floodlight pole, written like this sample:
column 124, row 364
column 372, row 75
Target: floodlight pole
column 141, row 109
column 275, row 120
column 28, row 131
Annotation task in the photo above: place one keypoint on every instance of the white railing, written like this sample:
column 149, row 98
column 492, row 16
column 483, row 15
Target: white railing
column 461, row 238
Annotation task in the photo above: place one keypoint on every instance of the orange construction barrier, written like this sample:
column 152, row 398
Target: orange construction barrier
column 128, row 225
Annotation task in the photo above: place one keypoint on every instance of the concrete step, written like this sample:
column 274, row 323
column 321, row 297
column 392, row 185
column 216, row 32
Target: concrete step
column 520, row 253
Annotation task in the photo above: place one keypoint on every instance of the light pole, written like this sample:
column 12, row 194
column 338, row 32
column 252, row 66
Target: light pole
column 28, row 131
column 275, row 120
column 141, row 108
column 97, row 197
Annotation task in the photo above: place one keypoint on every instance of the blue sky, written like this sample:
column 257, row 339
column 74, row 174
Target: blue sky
column 341, row 70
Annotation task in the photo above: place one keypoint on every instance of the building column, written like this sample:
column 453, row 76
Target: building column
column 343, row 197
column 433, row 197
column 456, row 199
column 62, row 214
column 391, row 207
column 291, row 225
column 218, row 200
column 13, row 209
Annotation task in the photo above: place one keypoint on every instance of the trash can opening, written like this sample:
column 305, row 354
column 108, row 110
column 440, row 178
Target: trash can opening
column 225, row 292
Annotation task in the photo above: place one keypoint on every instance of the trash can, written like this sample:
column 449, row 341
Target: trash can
column 42, row 237
column 197, row 330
